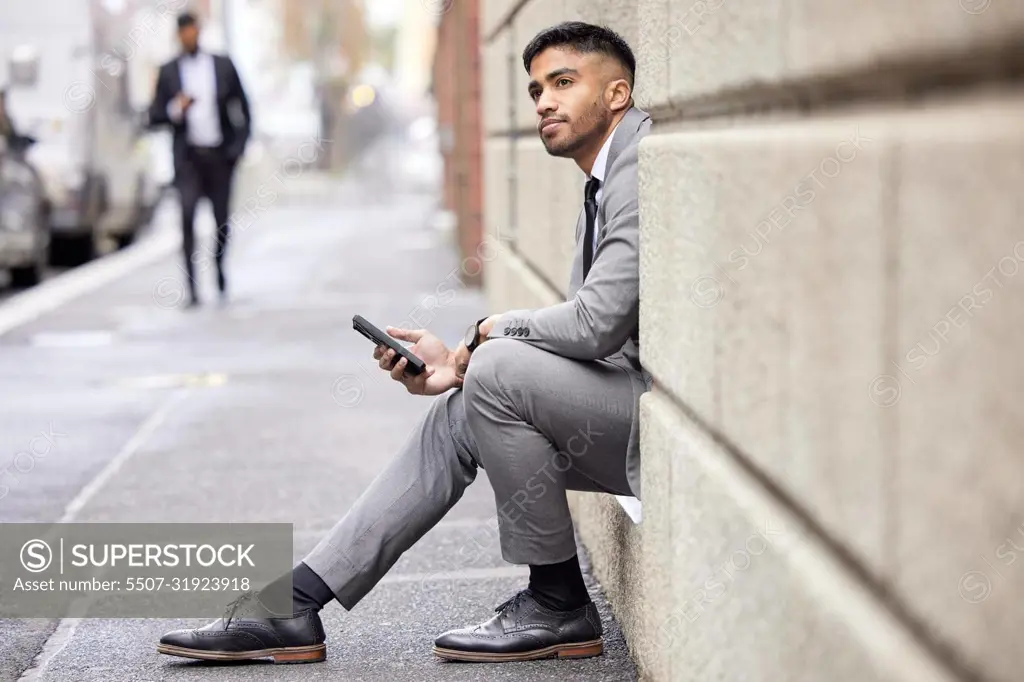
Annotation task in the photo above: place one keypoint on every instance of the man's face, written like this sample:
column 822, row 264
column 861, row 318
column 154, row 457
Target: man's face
column 188, row 36
column 569, row 91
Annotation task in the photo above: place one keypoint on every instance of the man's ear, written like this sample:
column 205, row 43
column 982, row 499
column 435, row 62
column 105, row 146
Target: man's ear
column 620, row 95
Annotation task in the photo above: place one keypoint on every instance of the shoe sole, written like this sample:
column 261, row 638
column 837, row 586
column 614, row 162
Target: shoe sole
column 295, row 654
column 577, row 650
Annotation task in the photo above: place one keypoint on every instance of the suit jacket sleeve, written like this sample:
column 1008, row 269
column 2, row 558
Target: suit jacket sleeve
column 243, row 101
column 604, row 313
column 158, row 114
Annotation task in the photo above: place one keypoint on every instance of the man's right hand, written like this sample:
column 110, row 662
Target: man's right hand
column 440, row 373
column 177, row 107
column 183, row 101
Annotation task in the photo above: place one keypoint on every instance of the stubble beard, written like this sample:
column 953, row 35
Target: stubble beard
column 588, row 127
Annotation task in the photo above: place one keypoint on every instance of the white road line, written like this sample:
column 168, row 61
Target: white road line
column 53, row 293
column 65, row 631
column 151, row 424
column 54, row 644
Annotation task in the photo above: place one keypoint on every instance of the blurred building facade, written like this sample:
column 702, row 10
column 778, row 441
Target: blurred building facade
column 457, row 90
column 830, row 233
column 297, row 60
column 331, row 35
column 415, row 43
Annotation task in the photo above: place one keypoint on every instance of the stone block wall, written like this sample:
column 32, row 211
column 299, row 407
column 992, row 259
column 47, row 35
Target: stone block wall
column 831, row 235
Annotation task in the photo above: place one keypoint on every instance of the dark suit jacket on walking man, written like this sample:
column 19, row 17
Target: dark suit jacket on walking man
column 200, row 96
column 544, row 400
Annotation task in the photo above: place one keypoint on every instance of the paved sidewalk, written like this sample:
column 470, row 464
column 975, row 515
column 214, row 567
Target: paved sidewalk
column 270, row 409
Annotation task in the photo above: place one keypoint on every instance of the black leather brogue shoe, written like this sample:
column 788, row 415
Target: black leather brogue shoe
column 295, row 638
column 524, row 630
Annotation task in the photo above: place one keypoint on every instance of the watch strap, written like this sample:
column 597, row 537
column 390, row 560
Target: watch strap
column 476, row 340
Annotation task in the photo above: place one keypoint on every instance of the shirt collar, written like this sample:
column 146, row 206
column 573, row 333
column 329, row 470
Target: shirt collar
column 601, row 162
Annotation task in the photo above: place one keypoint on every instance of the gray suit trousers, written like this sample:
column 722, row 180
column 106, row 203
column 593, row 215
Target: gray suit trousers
column 538, row 423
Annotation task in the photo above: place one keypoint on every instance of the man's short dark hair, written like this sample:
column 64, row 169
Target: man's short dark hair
column 186, row 19
column 585, row 39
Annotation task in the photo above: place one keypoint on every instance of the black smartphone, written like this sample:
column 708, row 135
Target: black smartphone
column 362, row 325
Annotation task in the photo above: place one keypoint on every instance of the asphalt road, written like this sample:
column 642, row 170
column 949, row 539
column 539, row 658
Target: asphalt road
column 266, row 409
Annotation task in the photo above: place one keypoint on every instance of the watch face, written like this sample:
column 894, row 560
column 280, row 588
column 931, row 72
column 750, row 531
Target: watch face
column 470, row 336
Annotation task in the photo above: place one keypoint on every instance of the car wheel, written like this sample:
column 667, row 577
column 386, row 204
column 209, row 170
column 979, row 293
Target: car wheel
column 125, row 240
column 72, row 251
column 28, row 276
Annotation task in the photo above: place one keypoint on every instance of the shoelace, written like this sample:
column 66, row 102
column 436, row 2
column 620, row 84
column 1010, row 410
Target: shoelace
column 232, row 608
column 512, row 603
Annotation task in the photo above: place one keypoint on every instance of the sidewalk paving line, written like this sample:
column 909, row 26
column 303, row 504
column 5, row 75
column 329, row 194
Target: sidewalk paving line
column 52, row 647
column 148, row 427
column 65, row 630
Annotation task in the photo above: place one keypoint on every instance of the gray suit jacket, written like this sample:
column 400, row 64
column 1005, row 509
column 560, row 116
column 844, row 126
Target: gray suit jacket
column 600, row 319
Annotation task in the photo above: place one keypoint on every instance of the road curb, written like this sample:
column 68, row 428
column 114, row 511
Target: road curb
column 52, row 294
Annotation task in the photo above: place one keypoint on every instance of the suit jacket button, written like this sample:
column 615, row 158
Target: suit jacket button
column 519, row 331
column 526, row 332
column 506, row 331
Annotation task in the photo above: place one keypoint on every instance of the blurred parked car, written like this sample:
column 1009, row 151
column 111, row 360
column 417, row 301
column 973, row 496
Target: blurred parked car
column 24, row 229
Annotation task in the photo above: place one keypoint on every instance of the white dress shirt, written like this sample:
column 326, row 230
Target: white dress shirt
column 599, row 171
column 199, row 81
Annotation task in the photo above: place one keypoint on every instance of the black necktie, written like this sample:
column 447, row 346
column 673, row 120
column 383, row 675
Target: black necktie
column 590, row 206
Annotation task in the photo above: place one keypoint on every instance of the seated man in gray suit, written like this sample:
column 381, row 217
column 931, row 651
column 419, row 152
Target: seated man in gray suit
column 544, row 400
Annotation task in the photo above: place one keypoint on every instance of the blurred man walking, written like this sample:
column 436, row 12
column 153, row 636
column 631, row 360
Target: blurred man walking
column 201, row 97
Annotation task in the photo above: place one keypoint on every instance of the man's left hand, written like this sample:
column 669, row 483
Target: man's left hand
column 461, row 360
column 462, row 354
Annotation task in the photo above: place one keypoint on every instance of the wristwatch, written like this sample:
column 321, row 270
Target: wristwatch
column 473, row 339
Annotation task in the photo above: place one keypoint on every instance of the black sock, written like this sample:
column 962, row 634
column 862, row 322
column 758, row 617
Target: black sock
column 559, row 587
column 309, row 591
